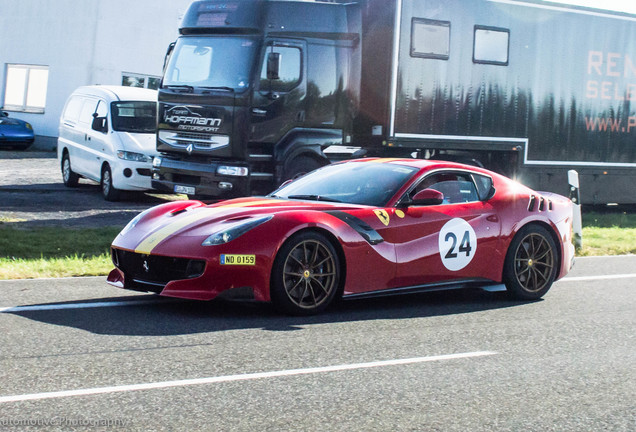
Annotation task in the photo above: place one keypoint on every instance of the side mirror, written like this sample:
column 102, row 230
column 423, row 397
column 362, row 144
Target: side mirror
column 4, row 114
column 100, row 124
column 273, row 66
column 428, row 197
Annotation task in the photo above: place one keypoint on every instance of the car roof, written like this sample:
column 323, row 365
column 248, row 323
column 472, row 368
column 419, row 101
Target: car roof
column 420, row 164
column 114, row 93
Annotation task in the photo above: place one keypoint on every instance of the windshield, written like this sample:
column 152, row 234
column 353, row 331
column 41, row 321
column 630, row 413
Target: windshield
column 212, row 62
column 366, row 183
column 136, row 117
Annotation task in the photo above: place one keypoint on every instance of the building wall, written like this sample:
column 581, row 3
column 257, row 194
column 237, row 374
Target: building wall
column 83, row 42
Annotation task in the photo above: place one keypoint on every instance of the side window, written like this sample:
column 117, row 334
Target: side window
column 491, row 45
column 73, row 108
column 484, row 186
column 102, row 109
column 88, row 109
column 430, row 39
column 289, row 72
column 456, row 187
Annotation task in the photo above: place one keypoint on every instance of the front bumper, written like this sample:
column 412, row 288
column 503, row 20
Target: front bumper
column 186, row 278
column 197, row 178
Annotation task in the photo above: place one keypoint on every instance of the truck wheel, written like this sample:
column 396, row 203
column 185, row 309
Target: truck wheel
column 108, row 190
column 305, row 274
column 69, row 178
column 531, row 263
column 299, row 166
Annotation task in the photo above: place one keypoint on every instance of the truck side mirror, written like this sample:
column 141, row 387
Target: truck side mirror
column 273, row 66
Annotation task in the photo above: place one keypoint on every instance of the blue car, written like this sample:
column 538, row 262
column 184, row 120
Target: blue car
column 15, row 133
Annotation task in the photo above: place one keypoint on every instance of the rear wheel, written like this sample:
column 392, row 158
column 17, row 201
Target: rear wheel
column 305, row 275
column 108, row 190
column 531, row 263
column 69, row 178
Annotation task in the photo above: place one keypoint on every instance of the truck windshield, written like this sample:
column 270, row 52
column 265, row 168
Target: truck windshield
column 135, row 116
column 211, row 62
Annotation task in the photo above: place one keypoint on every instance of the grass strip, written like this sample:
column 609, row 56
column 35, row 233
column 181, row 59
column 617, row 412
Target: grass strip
column 55, row 252
column 64, row 252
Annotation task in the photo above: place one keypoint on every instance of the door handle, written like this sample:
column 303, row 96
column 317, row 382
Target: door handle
column 259, row 112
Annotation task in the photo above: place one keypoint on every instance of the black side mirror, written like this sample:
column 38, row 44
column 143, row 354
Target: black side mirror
column 4, row 114
column 273, row 66
column 100, row 124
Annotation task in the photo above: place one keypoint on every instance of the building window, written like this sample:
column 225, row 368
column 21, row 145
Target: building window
column 140, row 80
column 430, row 39
column 25, row 88
column 491, row 45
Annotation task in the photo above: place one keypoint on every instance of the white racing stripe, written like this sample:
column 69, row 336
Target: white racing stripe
column 239, row 377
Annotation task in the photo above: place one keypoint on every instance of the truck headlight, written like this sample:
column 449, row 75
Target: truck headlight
column 234, row 231
column 132, row 156
column 233, row 171
column 156, row 162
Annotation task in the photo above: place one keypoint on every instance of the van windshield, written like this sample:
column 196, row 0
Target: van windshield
column 134, row 116
column 211, row 62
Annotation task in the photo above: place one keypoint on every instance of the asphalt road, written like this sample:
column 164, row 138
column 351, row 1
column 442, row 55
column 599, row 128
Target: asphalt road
column 32, row 194
column 76, row 354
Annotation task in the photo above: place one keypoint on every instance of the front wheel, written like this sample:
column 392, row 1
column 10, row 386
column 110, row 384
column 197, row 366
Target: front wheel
column 108, row 190
column 531, row 263
column 305, row 275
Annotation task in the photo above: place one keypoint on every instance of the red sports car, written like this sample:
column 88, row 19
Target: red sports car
column 352, row 229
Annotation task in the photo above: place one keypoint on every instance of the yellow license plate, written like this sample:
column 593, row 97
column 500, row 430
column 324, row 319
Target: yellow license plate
column 227, row 259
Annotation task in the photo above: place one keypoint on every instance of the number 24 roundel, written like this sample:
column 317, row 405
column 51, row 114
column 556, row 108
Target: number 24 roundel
column 457, row 244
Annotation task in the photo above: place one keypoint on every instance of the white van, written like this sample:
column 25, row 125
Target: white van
column 107, row 134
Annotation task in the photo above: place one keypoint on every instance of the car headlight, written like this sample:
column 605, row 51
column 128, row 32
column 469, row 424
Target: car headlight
column 28, row 126
column 132, row 156
column 234, row 231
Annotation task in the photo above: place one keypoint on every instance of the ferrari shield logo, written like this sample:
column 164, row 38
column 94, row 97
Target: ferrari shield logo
column 383, row 216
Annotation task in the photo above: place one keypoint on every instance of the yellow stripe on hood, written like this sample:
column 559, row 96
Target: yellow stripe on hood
column 153, row 239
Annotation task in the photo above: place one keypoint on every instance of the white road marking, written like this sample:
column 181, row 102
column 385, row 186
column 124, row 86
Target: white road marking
column 87, row 305
column 602, row 277
column 239, row 377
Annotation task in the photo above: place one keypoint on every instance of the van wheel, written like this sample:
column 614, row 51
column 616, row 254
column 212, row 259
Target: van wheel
column 108, row 190
column 69, row 178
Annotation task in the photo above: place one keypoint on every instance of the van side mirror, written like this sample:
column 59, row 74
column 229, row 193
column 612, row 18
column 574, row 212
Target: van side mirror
column 100, row 124
column 273, row 66
column 428, row 197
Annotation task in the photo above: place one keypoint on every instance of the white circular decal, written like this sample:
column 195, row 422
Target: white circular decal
column 457, row 244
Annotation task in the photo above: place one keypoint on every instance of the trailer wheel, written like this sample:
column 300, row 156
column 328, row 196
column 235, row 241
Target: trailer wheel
column 299, row 166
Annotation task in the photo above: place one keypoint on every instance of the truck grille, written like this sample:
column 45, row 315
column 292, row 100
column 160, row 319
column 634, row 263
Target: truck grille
column 199, row 141
column 152, row 272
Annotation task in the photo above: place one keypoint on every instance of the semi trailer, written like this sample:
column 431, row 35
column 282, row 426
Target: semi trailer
column 256, row 92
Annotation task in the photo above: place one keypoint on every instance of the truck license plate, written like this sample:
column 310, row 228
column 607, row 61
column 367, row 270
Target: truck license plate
column 188, row 190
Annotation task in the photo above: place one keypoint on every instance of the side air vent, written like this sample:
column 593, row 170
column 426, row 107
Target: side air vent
column 532, row 202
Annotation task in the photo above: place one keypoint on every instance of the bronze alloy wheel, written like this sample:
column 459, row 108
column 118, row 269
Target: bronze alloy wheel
column 531, row 263
column 306, row 274
column 534, row 262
